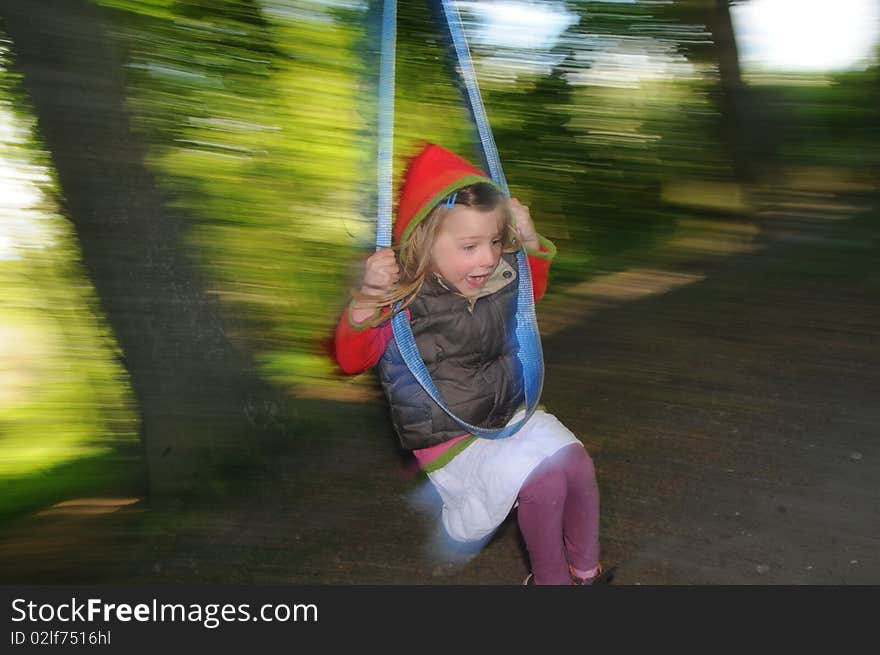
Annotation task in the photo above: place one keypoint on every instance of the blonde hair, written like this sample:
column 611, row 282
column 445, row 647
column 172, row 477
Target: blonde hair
column 414, row 254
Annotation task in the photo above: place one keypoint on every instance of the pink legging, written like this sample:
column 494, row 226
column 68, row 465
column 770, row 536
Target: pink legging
column 559, row 516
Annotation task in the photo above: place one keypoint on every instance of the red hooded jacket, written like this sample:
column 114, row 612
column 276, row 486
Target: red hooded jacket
column 430, row 177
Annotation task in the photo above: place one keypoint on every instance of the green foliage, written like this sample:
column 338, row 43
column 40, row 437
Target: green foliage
column 824, row 120
column 64, row 399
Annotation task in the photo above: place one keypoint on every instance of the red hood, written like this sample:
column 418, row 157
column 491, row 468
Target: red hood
column 431, row 176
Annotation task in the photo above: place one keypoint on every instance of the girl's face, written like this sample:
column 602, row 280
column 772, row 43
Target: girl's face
column 468, row 247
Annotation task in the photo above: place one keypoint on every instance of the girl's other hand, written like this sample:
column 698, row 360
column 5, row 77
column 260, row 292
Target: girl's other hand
column 525, row 228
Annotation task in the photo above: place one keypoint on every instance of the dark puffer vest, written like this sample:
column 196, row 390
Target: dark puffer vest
column 469, row 348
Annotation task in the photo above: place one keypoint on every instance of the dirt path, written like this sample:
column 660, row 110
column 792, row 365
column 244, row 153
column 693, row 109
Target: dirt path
column 726, row 386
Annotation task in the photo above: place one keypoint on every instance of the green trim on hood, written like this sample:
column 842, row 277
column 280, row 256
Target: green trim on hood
column 365, row 324
column 460, row 183
column 548, row 254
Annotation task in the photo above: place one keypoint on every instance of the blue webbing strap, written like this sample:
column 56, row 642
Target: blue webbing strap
column 385, row 157
column 529, row 352
column 471, row 92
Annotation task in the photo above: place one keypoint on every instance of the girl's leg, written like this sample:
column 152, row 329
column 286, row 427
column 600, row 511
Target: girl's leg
column 541, row 516
column 580, row 522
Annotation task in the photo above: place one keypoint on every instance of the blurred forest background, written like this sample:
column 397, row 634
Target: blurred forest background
column 186, row 187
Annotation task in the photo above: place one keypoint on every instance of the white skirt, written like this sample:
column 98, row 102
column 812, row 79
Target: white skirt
column 480, row 485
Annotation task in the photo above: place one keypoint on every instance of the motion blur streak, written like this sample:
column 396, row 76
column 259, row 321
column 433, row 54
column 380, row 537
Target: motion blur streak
column 186, row 197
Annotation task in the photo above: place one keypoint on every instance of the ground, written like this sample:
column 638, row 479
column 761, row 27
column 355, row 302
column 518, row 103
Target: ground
column 725, row 384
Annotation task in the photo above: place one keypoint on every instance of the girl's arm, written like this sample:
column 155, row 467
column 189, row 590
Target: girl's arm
column 541, row 251
column 539, row 264
column 357, row 346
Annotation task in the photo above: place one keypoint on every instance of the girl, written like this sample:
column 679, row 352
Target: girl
column 456, row 275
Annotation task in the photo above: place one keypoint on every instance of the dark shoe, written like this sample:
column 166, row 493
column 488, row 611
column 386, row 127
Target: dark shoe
column 602, row 577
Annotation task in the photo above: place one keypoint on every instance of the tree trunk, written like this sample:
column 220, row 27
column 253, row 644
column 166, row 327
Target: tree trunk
column 732, row 101
column 202, row 405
